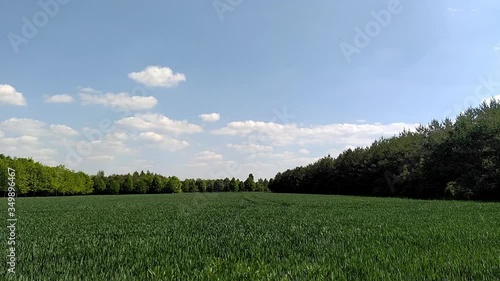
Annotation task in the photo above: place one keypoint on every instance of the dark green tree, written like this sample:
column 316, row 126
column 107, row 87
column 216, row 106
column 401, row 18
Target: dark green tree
column 250, row 183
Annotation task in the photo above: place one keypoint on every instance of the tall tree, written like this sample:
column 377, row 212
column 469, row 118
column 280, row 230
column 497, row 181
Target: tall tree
column 127, row 185
column 174, row 185
column 250, row 183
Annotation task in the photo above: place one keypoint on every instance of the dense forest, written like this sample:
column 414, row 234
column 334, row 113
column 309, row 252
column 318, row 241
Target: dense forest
column 34, row 179
column 449, row 159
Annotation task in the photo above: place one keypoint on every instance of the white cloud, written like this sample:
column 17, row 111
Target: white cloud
column 163, row 142
column 90, row 90
column 120, row 136
column 250, row 147
column 63, row 130
column 59, row 99
column 210, row 117
column 287, row 159
column 497, row 48
column 207, row 156
column 9, row 95
column 263, row 167
column 452, row 10
column 156, row 76
column 153, row 122
column 135, row 165
column 196, row 165
column 29, row 147
column 119, row 101
column 304, row 151
column 275, row 134
column 31, row 140
column 100, row 158
column 106, row 145
column 23, row 126
column 151, row 136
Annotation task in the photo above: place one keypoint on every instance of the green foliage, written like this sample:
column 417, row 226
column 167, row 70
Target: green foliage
column 250, row 183
column 458, row 160
column 241, row 186
column 141, row 186
column 189, row 185
column 113, row 186
column 156, row 184
column 174, row 185
column 99, row 183
column 35, row 179
column 127, row 185
column 201, row 185
column 233, row 185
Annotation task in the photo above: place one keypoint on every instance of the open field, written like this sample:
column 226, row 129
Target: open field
column 254, row 236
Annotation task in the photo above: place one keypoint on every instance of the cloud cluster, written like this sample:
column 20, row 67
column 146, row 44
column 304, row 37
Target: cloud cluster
column 261, row 148
column 276, row 134
column 157, row 76
column 9, row 96
column 163, row 141
column 59, row 99
column 250, row 147
column 210, row 117
column 63, row 130
column 23, row 126
column 208, row 156
column 119, row 101
column 158, row 122
column 24, row 137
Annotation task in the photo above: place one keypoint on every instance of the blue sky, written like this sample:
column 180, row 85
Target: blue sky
column 225, row 88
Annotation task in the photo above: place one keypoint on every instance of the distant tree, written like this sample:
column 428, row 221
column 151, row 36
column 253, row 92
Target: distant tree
column 250, row 183
column 218, row 185
column 233, row 185
column 241, row 186
column 127, row 185
column 210, row 185
column 201, row 185
column 140, row 186
column 227, row 184
column 113, row 186
column 260, row 186
column 189, row 185
column 192, row 186
column 174, row 185
column 98, row 179
column 156, row 184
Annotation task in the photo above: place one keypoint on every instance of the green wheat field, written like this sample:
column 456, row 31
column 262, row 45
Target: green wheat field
column 253, row 236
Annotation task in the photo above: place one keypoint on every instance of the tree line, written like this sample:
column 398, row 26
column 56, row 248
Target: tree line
column 445, row 159
column 35, row 179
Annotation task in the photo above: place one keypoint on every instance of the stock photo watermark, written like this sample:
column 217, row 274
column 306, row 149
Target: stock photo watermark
column 31, row 26
column 11, row 221
column 364, row 36
column 486, row 89
column 223, row 7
